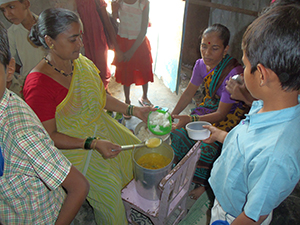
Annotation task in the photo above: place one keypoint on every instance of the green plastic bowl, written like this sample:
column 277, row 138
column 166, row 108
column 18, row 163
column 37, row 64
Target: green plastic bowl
column 163, row 130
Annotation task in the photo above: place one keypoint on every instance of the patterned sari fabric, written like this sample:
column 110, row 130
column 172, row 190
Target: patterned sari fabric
column 81, row 114
column 181, row 143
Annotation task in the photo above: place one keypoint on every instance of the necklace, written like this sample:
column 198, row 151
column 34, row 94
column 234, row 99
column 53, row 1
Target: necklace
column 60, row 71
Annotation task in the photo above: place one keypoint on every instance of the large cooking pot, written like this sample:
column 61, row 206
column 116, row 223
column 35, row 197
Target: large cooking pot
column 147, row 180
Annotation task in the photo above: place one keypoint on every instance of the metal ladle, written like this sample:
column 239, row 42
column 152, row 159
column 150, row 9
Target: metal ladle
column 152, row 142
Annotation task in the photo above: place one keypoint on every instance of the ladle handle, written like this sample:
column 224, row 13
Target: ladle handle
column 127, row 147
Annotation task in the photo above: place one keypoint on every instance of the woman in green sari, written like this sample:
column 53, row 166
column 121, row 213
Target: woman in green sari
column 66, row 92
column 214, row 69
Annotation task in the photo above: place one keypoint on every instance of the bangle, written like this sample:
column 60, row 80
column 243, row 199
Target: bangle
column 88, row 142
column 194, row 118
column 129, row 110
column 95, row 142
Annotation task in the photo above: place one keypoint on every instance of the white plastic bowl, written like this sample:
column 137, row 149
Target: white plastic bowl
column 196, row 131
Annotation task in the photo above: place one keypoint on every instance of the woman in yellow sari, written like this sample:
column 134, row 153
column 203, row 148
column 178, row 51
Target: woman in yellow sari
column 67, row 94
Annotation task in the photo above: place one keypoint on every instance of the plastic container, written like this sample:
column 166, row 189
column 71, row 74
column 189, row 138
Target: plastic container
column 163, row 130
column 196, row 131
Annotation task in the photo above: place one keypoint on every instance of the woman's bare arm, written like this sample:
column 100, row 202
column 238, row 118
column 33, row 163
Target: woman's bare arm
column 116, row 105
column 63, row 141
column 185, row 98
column 218, row 116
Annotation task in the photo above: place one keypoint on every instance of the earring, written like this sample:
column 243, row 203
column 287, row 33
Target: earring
column 52, row 46
column 261, row 83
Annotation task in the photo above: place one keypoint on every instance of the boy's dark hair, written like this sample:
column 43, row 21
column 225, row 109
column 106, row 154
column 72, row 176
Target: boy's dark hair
column 51, row 22
column 273, row 40
column 280, row 3
column 5, row 55
column 285, row 2
column 224, row 33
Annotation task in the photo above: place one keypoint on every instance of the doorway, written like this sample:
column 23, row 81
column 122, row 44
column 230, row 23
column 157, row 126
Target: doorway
column 166, row 36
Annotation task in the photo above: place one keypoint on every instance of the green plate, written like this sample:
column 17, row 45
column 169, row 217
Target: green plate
column 162, row 130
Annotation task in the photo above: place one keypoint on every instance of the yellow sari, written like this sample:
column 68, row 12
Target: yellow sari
column 81, row 115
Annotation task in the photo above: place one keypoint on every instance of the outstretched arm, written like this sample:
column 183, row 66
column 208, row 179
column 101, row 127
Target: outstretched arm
column 116, row 105
column 185, row 98
column 63, row 141
column 217, row 116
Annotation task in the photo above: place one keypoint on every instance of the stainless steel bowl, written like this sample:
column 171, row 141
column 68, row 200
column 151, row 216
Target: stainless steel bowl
column 147, row 180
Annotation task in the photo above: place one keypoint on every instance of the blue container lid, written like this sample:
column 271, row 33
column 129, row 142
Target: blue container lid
column 220, row 222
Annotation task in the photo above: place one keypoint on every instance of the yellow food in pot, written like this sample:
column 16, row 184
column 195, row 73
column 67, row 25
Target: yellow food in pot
column 153, row 161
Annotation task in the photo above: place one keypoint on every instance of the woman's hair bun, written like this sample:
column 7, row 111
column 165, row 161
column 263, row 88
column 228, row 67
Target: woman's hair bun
column 34, row 36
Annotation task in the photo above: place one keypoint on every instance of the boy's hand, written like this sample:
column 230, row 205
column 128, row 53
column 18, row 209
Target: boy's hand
column 216, row 134
column 234, row 88
column 183, row 120
column 239, row 91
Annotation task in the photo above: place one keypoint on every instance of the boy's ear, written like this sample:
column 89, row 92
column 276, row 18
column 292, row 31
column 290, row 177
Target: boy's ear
column 10, row 70
column 263, row 74
column 266, row 75
column 27, row 4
